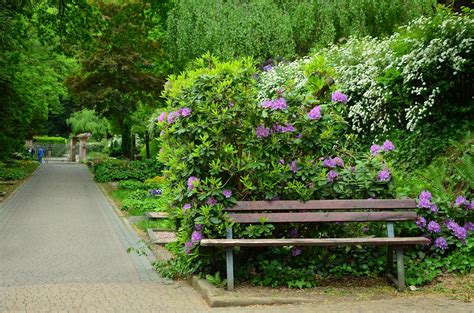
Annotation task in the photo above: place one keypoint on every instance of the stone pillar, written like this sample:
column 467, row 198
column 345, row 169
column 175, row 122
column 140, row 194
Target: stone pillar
column 72, row 149
column 82, row 149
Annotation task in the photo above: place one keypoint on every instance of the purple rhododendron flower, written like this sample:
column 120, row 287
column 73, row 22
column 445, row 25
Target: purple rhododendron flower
column 423, row 203
column 281, row 161
column 460, row 201
column 294, row 167
column 288, row 128
column 420, row 222
column 469, row 226
column 329, row 162
column 440, row 243
column 279, row 104
column 374, row 149
column 267, row 67
column 293, row 233
column 277, row 128
column 162, row 117
column 295, row 251
column 434, row 208
column 172, row 117
column 186, row 206
column 185, row 111
column 339, row 97
column 425, row 195
column 192, row 182
column 450, row 224
column 196, row 236
column 211, row 201
column 267, row 104
column 188, row 245
column 227, row 193
column 339, row 161
column 315, row 113
column 434, row 227
column 299, row 135
column 331, row 176
column 388, row 146
column 198, row 227
column 384, row 175
column 262, row 132
column 460, row 233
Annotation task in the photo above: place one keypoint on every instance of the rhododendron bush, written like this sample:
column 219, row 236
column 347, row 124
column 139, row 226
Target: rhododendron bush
column 224, row 139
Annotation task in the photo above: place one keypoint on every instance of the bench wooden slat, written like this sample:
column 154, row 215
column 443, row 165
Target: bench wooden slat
column 156, row 215
column 314, row 242
column 322, row 217
column 380, row 204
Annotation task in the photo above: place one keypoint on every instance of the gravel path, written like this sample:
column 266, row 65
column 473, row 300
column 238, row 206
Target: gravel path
column 63, row 249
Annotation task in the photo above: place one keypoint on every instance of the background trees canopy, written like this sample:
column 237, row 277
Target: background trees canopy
column 87, row 121
column 270, row 28
column 122, row 68
column 32, row 72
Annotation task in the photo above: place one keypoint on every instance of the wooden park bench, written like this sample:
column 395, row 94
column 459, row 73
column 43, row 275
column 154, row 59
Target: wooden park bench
column 323, row 211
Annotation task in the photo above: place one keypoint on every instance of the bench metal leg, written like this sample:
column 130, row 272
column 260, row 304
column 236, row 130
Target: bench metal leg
column 230, row 268
column 229, row 258
column 400, row 270
column 390, row 234
column 389, row 260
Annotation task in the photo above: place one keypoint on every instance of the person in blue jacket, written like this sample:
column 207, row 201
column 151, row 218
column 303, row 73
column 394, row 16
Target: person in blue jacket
column 40, row 155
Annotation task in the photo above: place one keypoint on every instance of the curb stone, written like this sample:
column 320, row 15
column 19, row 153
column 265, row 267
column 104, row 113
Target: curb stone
column 219, row 298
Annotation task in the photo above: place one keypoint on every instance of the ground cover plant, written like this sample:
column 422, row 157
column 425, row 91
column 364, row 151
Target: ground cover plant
column 16, row 170
column 137, row 197
column 116, row 170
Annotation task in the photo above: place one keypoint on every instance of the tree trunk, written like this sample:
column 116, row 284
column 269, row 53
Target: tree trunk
column 126, row 138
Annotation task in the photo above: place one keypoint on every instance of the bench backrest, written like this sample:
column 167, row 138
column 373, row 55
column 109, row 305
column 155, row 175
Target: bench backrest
column 318, row 211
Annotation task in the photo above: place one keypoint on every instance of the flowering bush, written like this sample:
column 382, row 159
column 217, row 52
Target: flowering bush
column 243, row 142
column 416, row 76
column 446, row 215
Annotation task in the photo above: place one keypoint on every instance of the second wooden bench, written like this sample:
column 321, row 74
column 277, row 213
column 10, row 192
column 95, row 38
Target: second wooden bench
column 323, row 211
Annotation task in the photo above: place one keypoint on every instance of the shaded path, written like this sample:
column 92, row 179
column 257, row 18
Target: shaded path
column 59, row 234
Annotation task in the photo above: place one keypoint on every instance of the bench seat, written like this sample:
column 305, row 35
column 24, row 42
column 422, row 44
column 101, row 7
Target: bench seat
column 305, row 242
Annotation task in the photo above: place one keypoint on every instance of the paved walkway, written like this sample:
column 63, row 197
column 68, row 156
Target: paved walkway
column 63, row 249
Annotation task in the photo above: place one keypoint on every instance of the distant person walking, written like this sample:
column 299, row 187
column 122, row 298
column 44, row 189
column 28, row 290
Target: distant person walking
column 40, row 155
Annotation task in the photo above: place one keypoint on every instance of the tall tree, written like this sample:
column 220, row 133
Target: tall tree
column 120, row 70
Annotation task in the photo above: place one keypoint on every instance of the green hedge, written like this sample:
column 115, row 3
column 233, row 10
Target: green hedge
column 115, row 170
column 48, row 139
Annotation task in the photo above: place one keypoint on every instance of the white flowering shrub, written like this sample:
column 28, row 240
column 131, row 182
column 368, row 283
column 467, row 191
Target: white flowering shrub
column 411, row 78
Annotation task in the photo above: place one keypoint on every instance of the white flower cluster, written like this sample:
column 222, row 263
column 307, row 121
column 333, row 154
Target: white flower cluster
column 285, row 77
column 361, row 65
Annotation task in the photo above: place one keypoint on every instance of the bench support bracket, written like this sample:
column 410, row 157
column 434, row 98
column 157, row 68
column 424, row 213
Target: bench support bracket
column 399, row 281
column 230, row 262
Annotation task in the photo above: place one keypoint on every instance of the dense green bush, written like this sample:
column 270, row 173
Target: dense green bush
column 11, row 173
column 49, row 139
column 115, row 170
column 16, row 170
column 228, row 145
column 446, row 213
column 271, row 28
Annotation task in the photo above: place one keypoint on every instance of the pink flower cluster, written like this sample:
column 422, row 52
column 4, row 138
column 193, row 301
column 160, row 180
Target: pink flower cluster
column 171, row 117
column 277, row 104
column 386, row 146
